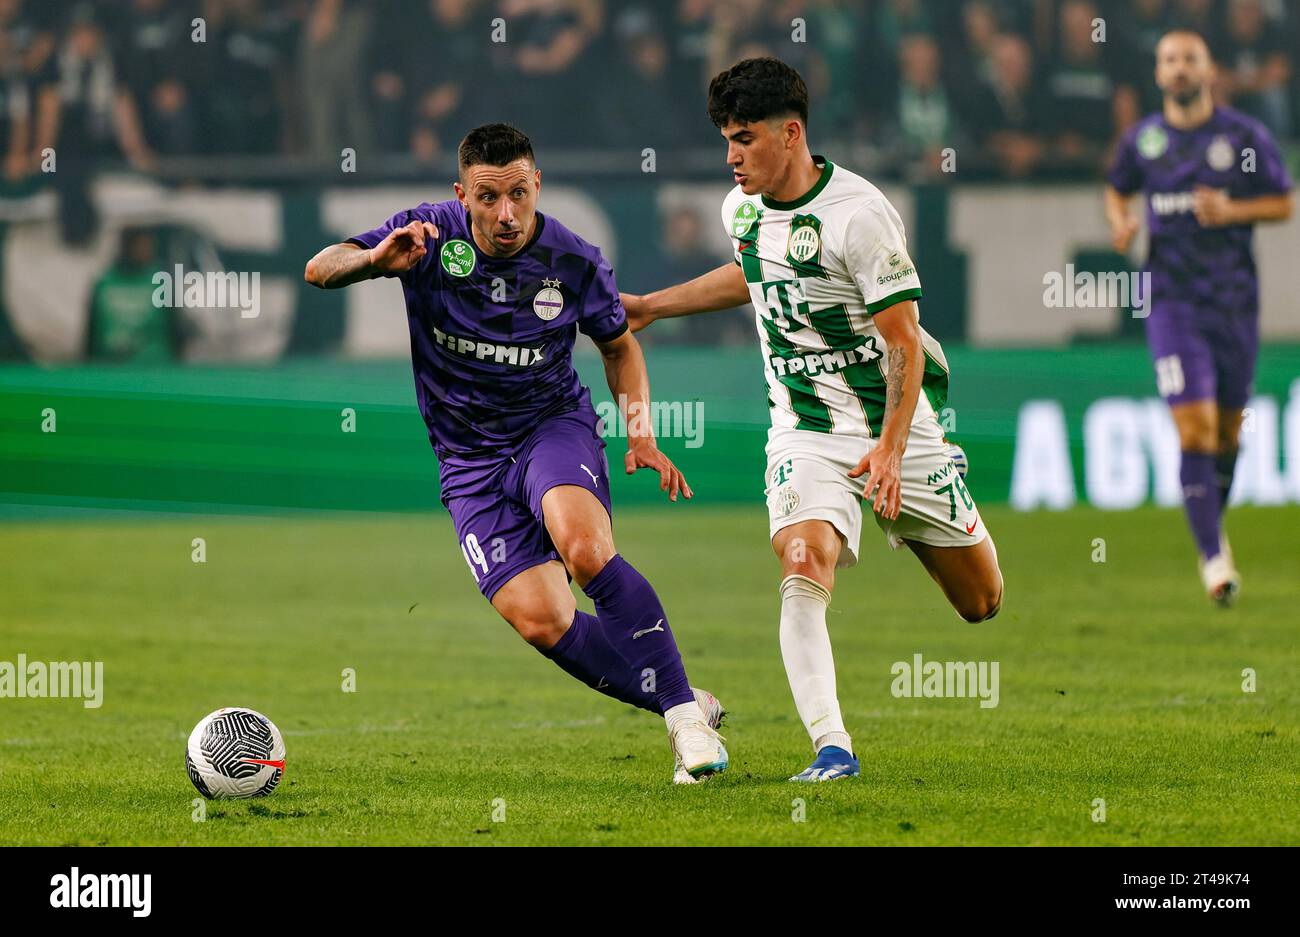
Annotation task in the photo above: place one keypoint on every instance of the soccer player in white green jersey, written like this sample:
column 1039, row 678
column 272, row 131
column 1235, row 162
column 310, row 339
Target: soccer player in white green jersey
column 853, row 382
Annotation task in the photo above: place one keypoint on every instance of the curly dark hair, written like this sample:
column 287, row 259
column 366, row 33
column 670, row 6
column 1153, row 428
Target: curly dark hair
column 757, row 89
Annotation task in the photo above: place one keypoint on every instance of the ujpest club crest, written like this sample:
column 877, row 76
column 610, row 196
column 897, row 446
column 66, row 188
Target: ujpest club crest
column 1219, row 154
column 549, row 301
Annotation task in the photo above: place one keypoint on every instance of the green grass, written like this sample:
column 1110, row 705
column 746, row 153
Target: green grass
column 1118, row 681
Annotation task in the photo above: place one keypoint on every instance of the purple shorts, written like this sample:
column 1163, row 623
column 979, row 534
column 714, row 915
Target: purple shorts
column 496, row 507
column 1203, row 355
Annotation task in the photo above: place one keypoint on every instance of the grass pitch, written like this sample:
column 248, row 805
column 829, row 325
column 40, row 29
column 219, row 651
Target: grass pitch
column 1118, row 681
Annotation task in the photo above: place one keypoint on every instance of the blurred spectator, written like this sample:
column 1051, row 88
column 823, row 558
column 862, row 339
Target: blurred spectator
column 85, row 115
column 644, row 113
column 1010, row 111
column 124, row 323
column 1254, row 70
column 979, row 32
column 685, row 256
column 834, row 72
column 331, row 62
column 1090, row 103
column 15, row 97
column 26, row 47
column 245, row 85
column 422, row 61
column 1136, row 28
column 1198, row 15
column 924, row 121
column 898, row 19
column 408, row 77
column 550, row 67
column 448, row 78
column 689, row 50
column 150, row 43
column 739, row 30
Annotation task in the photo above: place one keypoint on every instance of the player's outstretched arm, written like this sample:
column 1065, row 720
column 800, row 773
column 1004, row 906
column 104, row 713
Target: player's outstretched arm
column 343, row 264
column 723, row 288
column 630, row 384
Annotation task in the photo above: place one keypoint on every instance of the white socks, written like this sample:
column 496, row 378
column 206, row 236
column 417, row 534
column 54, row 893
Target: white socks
column 809, row 665
column 681, row 713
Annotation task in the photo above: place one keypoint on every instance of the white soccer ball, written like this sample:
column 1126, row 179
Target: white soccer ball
column 958, row 456
column 235, row 752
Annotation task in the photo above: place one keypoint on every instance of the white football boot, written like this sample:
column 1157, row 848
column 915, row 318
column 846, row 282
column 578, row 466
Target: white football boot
column 704, row 740
column 1225, row 548
column 1221, row 579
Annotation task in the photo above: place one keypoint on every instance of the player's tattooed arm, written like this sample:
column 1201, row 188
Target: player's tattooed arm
column 901, row 330
column 343, row 264
column 339, row 265
column 894, row 382
column 629, row 382
column 721, row 288
column 883, row 465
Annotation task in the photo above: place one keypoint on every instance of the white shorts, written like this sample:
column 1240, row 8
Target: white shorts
column 808, row 479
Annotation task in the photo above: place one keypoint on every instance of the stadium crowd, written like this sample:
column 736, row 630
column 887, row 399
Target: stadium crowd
column 1021, row 86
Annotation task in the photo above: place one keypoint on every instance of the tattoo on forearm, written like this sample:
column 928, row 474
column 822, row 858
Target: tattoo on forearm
column 342, row 265
column 895, row 381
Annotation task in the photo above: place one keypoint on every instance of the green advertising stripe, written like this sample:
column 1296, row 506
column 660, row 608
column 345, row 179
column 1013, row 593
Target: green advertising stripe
column 269, row 438
column 196, row 433
column 180, row 446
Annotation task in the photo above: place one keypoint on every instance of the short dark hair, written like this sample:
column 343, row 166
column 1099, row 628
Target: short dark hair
column 1187, row 31
column 494, row 145
column 757, row 89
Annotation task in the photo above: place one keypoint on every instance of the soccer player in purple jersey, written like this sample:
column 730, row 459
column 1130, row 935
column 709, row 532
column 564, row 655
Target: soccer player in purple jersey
column 1209, row 174
column 495, row 295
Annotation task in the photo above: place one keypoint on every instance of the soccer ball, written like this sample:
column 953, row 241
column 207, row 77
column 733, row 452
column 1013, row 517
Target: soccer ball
column 958, row 456
column 235, row 752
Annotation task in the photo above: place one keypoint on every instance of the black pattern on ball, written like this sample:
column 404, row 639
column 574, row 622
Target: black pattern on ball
column 195, row 778
column 231, row 739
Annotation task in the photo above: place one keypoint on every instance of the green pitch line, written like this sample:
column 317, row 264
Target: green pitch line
column 1118, row 682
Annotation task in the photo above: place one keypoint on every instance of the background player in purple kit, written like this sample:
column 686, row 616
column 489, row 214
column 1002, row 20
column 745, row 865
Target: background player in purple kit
column 495, row 294
column 1209, row 174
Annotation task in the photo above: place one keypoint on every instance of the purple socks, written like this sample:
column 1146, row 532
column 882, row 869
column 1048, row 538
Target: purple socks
column 627, row 651
column 635, row 624
column 584, row 653
column 1225, row 465
column 1202, row 500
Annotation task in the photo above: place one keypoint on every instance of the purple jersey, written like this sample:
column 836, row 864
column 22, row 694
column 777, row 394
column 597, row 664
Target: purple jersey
column 1210, row 269
column 492, row 338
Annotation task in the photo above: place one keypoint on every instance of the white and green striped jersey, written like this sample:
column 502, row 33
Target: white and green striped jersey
column 818, row 269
